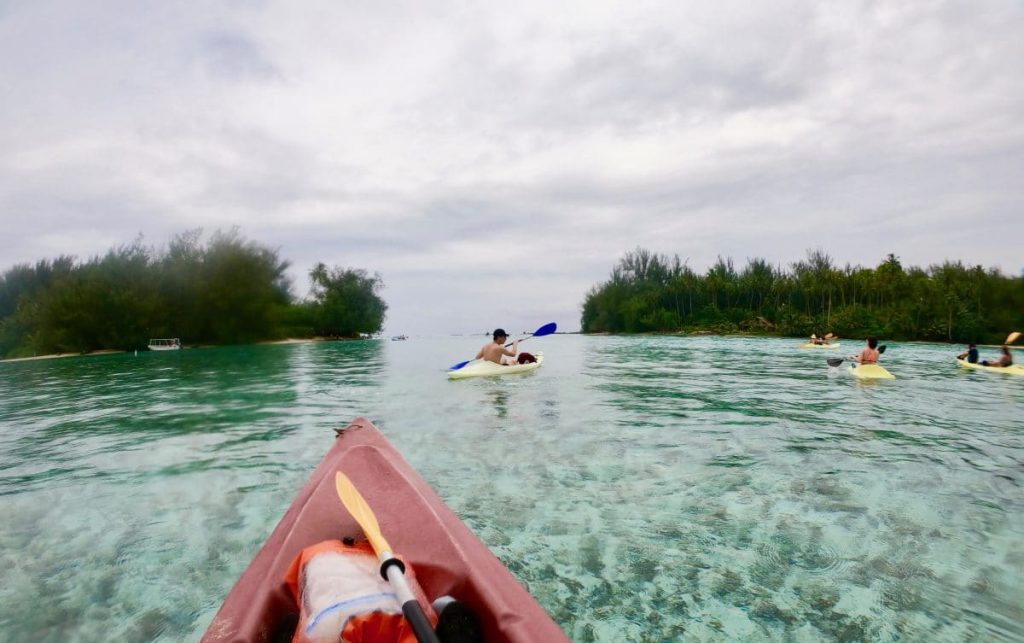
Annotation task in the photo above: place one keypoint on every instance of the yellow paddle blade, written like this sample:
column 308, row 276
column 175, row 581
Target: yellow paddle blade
column 828, row 336
column 353, row 501
column 1012, row 337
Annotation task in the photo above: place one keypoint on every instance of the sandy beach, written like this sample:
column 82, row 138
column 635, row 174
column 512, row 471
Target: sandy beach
column 59, row 355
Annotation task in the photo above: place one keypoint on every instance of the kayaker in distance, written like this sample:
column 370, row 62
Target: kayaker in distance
column 495, row 351
column 971, row 354
column 1004, row 361
column 869, row 355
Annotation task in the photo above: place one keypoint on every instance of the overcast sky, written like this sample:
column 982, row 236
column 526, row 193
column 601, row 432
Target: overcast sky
column 494, row 161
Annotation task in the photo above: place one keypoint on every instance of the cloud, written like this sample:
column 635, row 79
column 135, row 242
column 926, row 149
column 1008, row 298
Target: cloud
column 493, row 162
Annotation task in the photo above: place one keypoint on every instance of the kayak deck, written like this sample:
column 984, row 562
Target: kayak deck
column 483, row 368
column 1014, row 369
column 447, row 557
column 871, row 372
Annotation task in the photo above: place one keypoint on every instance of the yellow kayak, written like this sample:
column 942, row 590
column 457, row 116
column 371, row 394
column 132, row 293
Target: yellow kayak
column 483, row 368
column 836, row 345
column 870, row 372
column 1015, row 369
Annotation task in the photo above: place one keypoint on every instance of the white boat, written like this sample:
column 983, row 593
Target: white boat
column 173, row 344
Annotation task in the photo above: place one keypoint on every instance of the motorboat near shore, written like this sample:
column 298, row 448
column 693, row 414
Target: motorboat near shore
column 172, row 344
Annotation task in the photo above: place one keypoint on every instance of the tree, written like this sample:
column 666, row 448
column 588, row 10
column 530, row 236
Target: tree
column 242, row 284
column 346, row 301
column 225, row 291
column 647, row 292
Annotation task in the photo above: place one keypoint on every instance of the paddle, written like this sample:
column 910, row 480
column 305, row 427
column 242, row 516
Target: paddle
column 1012, row 337
column 390, row 567
column 546, row 329
column 836, row 361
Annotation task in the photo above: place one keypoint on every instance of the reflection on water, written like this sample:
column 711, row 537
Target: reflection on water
column 500, row 398
column 645, row 489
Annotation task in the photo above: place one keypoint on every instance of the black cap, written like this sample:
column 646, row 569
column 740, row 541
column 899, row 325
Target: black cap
column 500, row 332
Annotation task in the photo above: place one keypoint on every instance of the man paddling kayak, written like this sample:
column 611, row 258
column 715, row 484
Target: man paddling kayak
column 869, row 355
column 495, row 351
column 1004, row 361
column 971, row 354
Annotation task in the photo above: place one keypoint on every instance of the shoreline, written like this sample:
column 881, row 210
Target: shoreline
column 34, row 358
column 310, row 340
column 707, row 333
column 111, row 351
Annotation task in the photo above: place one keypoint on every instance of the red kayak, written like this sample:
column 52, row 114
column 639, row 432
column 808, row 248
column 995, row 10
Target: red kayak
column 447, row 557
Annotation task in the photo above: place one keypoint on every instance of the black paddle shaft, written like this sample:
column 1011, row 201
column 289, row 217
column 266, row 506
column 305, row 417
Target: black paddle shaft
column 420, row 625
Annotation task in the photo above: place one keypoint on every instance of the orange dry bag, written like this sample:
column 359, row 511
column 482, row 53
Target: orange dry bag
column 342, row 597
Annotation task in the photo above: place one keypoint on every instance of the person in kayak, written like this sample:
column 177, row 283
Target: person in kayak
column 495, row 351
column 1004, row 361
column 971, row 354
column 869, row 355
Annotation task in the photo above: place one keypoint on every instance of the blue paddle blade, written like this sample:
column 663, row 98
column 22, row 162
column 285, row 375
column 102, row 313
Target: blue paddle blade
column 546, row 329
column 459, row 365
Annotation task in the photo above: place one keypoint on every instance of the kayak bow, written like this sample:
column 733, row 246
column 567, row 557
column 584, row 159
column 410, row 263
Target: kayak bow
column 870, row 372
column 447, row 557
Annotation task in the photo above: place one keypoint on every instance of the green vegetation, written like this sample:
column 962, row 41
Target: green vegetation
column 648, row 292
column 227, row 290
column 345, row 302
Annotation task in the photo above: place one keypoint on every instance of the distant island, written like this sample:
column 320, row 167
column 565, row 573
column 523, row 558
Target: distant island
column 649, row 292
column 226, row 290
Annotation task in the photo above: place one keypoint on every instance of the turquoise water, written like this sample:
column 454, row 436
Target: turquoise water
column 644, row 489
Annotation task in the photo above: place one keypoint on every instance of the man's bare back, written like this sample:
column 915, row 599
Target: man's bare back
column 493, row 351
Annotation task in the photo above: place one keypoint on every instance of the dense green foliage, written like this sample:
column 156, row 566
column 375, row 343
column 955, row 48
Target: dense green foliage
column 226, row 290
column 648, row 292
column 345, row 301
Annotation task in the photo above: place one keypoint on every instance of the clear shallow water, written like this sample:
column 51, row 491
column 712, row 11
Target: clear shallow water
column 644, row 489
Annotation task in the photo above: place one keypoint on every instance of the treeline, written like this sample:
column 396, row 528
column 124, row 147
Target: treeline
column 225, row 290
column 650, row 292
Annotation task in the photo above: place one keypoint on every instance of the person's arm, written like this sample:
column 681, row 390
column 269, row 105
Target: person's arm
column 513, row 351
column 962, row 356
column 480, row 355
